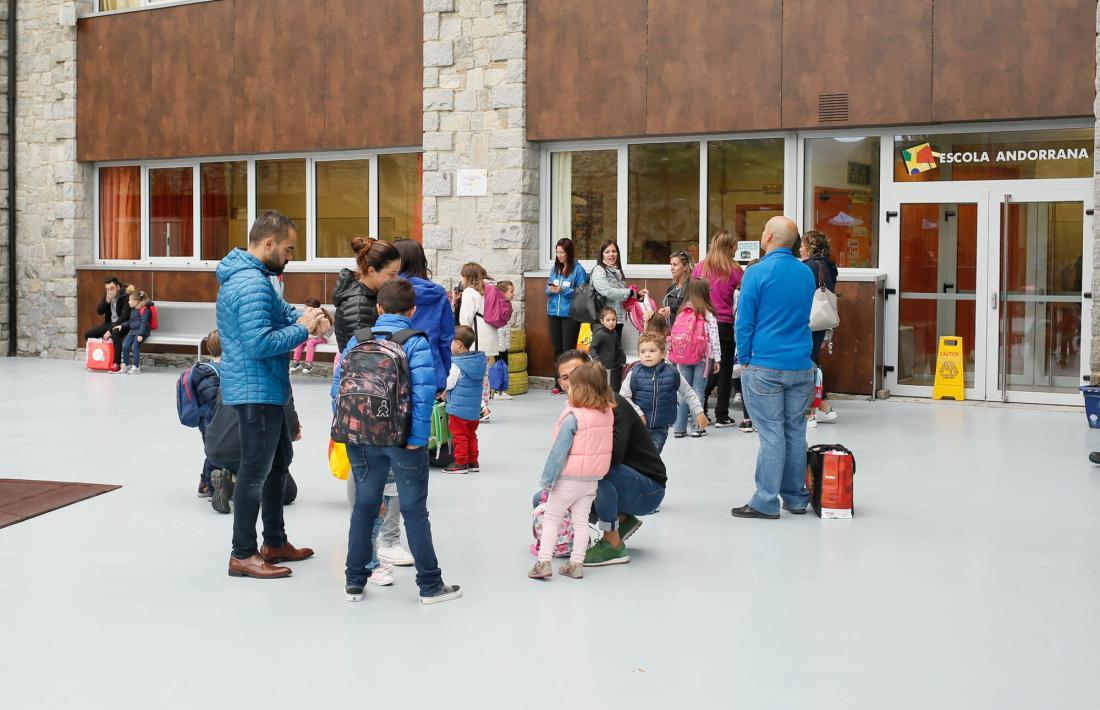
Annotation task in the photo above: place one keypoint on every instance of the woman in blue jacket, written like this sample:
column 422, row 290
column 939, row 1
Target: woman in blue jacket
column 434, row 314
column 565, row 278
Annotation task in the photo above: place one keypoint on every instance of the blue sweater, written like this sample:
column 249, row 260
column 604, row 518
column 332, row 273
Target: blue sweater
column 421, row 374
column 558, row 304
column 258, row 330
column 773, row 313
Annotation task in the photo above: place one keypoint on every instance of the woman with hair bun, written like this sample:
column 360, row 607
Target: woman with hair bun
column 356, row 294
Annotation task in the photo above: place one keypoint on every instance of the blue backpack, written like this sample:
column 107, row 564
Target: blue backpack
column 498, row 376
column 191, row 414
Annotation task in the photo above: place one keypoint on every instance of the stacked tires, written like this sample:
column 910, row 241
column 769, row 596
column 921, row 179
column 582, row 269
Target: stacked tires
column 517, row 363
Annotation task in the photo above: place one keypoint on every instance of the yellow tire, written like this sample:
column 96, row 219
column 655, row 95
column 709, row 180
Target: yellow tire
column 517, row 362
column 517, row 383
column 519, row 341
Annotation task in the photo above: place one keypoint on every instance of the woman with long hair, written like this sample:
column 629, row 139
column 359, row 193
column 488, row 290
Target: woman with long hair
column 816, row 253
column 356, row 294
column 609, row 281
column 720, row 269
column 565, row 278
column 433, row 308
column 679, row 265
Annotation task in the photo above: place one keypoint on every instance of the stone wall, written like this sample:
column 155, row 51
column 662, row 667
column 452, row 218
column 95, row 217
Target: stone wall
column 475, row 117
column 53, row 191
column 4, row 276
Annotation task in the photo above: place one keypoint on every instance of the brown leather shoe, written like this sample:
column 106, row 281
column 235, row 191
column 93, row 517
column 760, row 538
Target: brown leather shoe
column 256, row 567
column 285, row 553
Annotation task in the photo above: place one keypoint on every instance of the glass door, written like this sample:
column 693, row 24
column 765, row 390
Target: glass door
column 1039, row 324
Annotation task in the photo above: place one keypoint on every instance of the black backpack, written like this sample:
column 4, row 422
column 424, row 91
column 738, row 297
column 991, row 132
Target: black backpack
column 374, row 396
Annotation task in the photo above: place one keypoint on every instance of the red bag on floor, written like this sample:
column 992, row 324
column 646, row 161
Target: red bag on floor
column 830, row 470
column 99, row 354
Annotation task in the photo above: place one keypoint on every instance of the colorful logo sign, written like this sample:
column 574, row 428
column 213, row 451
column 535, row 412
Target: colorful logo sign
column 920, row 158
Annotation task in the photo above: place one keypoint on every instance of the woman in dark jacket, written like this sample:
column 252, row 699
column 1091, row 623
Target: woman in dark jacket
column 356, row 294
column 679, row 265
column 816, row 254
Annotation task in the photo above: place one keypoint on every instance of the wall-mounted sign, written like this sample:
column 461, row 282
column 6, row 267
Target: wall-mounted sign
column 922, row 158
column 747, row 251
column 472, row 183
column 1002, row 155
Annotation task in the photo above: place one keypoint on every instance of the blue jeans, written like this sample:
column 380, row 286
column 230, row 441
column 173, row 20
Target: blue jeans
column 659, row 435
column 696, row 377
column 778, row 399
column 131, row 350
column 371, row 465
column 624, row 490
column 261, row 479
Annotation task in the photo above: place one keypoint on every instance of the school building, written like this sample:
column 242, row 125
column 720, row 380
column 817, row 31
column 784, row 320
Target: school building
column 947, row 148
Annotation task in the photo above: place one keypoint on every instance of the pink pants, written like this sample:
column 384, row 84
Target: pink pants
column 310, row 345
column 575, row 496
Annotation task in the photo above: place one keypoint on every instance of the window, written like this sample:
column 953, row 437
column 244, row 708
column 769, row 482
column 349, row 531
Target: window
column 1004, row 155
column 343, row 206
column 400, row 208
column 584, row 199
column 112, row 5
column 744, row 186
column 120, row 212
column 663, row 204
column 171, row 212
column 281, row 185
column 842, row 197
column 224, row 189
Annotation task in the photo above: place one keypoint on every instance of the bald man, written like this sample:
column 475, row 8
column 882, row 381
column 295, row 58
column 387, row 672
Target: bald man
column 777, row 375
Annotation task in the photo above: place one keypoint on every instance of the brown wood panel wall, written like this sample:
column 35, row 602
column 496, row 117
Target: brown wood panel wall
column 238, row 76
column 998, row 59
column 713, row 66
column 586, row 68
column 850, row 369
column 877, row 53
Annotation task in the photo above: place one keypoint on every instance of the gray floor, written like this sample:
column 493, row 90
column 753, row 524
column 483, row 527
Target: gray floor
column 969, row 578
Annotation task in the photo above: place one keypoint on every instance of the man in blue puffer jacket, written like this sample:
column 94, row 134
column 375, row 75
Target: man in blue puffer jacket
column 258, row 329
column 371, row 465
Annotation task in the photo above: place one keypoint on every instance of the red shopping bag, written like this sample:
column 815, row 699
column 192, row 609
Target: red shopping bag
column 99, row 354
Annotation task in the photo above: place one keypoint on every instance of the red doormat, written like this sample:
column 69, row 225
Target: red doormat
column 20, row 500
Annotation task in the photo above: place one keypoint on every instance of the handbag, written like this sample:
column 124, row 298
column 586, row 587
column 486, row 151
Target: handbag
column 586, row 305
column 823, row 312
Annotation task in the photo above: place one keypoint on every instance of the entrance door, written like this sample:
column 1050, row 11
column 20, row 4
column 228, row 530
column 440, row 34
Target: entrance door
column 1039, row 319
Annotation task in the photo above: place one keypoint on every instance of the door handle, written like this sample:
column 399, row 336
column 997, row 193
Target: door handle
column 947, row 286
column 890, row 214
column 993, row 300
column 1087, row 294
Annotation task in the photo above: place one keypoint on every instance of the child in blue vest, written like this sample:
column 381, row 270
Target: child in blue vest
column 656, row 387
column 464, row 399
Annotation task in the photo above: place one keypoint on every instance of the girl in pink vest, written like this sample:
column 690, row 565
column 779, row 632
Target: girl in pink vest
column 579, row 457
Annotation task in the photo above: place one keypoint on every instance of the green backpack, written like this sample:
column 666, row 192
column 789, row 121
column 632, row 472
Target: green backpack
column 440, row 435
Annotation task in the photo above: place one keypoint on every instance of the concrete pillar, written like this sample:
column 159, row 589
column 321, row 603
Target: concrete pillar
column 475, row 117
column 1094, row 366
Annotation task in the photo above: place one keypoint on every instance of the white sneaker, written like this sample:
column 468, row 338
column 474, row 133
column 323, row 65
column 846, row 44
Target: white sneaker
column 382, row 575
column 811, row 423
column 486, row 416
column 503, row 395
column 396, row 555
column 135, row 370
column 829, row 416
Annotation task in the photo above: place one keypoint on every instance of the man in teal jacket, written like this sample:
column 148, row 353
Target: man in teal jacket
column 258, row 329
column 777, row 375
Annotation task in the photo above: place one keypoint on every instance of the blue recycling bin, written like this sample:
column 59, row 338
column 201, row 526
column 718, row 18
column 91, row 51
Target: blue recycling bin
column 1092, row 405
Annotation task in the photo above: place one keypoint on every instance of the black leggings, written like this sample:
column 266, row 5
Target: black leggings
column 563, row 334
column 723, row 380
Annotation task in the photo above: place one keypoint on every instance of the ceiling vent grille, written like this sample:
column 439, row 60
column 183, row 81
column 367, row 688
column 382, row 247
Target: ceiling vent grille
column 832, row 108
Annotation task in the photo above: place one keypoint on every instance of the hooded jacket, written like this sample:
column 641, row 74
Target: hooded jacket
column 464, row 401
column 434, row 317
column 607, row 347
column 356, row 307
column 421, row 375
column 258, row 330
column 558, row 304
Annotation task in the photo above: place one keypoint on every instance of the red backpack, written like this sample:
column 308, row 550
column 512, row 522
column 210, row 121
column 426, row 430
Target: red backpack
column 152, row 316
column 498, row 311
column 687, row 344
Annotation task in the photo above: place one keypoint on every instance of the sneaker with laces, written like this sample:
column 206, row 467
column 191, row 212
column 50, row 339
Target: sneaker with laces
column 811, row 423
column 698, row 433
column 382, row 575
column 572, row 569
column 486, row 415
column 307, row 368
column 603, row 554
column 221, row 489
column 827, row 416
column 503, row 395
column 541, row 570
column 134, row 370
column 724, row 422
column 745, row 426
column 456, row 467
column 396, row 555
column 679, row 434
column 628, row 527
column 473, row 467
column 445, row 594
column 353, row 592
column 295, row 366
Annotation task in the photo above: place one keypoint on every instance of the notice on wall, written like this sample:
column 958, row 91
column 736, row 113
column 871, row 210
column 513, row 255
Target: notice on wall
column 472, row 183
column 747, row 251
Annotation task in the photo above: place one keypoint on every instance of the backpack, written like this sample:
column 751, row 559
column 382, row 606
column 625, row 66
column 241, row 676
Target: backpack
column 687, row 344
column 498, row 376
column 564, row 543
column 498, row 311
column 187, row 404
column 374, row 396
column 153, row 323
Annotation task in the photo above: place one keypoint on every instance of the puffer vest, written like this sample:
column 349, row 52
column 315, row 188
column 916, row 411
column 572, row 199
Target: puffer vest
column 590, row 455
column 655, row 393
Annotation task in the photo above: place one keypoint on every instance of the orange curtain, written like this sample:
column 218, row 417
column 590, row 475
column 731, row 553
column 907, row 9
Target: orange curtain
column 120, row 212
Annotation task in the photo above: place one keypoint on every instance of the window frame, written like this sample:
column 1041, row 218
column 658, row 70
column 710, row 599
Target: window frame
column 145, row 5
column 308, row 251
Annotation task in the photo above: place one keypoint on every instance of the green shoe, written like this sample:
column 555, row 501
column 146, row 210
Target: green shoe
column 603, row 554
column 628, row 527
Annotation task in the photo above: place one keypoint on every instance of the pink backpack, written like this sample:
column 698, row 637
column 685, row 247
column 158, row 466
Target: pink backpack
column 564, row 544
column 498, row 311
column 687, row 345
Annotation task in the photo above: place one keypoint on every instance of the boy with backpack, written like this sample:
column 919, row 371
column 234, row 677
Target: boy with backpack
column 196, row 396
column 655, row 387
column 384, row 391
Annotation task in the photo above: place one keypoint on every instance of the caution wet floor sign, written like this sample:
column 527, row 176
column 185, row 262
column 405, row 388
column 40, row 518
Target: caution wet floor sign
column 950, row 371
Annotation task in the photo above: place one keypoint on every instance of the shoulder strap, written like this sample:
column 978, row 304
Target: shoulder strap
column 820, row 276
column 362, row 335
column 400, row 337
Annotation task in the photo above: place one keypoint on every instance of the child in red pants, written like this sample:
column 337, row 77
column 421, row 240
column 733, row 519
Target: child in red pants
column 464, row 399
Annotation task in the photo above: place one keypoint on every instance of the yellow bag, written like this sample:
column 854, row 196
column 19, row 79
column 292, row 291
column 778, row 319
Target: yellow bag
column 584, row 340
column 338, row 460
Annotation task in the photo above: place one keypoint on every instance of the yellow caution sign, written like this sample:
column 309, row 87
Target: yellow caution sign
column 950, row 371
